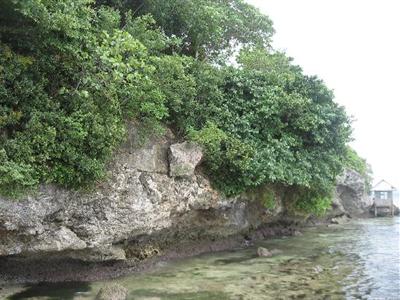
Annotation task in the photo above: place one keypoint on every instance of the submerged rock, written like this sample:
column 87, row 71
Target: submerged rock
column 318, row 269
column 340, row 220
column 112, row 292
column 264, row 252
column 297, row 233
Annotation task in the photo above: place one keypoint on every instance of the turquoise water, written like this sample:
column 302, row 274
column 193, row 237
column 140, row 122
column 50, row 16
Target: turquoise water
column 358, row 260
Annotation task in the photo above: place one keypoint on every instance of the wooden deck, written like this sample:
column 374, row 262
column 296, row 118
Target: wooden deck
column 383, row 206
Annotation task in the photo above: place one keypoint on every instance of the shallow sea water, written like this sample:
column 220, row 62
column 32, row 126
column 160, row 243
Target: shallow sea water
column 357, row 260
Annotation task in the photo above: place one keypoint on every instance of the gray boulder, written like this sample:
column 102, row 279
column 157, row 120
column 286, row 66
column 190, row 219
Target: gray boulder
column 183, row 159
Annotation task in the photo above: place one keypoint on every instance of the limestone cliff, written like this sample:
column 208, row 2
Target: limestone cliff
column 152, row 189
column 153, row 198
column 351, row 195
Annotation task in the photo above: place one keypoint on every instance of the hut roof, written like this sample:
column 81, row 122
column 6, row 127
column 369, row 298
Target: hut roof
column 383, row 185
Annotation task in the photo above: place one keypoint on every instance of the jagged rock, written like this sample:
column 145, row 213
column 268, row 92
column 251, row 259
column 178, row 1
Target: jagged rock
column 183, row 159
column 147, row 155
column 351, row 196
column 112, row 292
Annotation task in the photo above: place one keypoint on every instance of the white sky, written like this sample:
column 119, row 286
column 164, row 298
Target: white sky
column 354, row 46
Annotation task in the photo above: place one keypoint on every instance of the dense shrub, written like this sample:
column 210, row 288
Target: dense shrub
column 68, row 78
column 266, row 122
column 354, row 162
column 208, row 29
column 72, row 73
column 258, row 130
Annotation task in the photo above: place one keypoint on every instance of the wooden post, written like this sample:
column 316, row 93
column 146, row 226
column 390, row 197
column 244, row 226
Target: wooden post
column 392, row 208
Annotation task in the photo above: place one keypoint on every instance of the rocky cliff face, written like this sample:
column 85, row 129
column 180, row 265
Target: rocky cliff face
column 351, row 197
column 153, row 198
column 152, row 190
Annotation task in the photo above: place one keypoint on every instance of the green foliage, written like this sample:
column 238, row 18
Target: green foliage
column 267, row 123
column 69, row 77
column 268, row 200
column 208, row 28
column 145, row 30
column 355, row 162
column 268, row 129
column 178, row 85
column 225, row 155
column 14, row 177
column 313, row 200
column 262, row 60
column 73, row 72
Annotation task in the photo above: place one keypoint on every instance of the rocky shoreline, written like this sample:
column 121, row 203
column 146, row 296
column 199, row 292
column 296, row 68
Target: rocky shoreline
column 155, row 206
column 53, row 269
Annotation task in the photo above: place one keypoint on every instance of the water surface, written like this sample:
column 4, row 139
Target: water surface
column 358, row 260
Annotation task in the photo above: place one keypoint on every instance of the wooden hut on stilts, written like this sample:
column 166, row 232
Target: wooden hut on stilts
column 383, row 195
